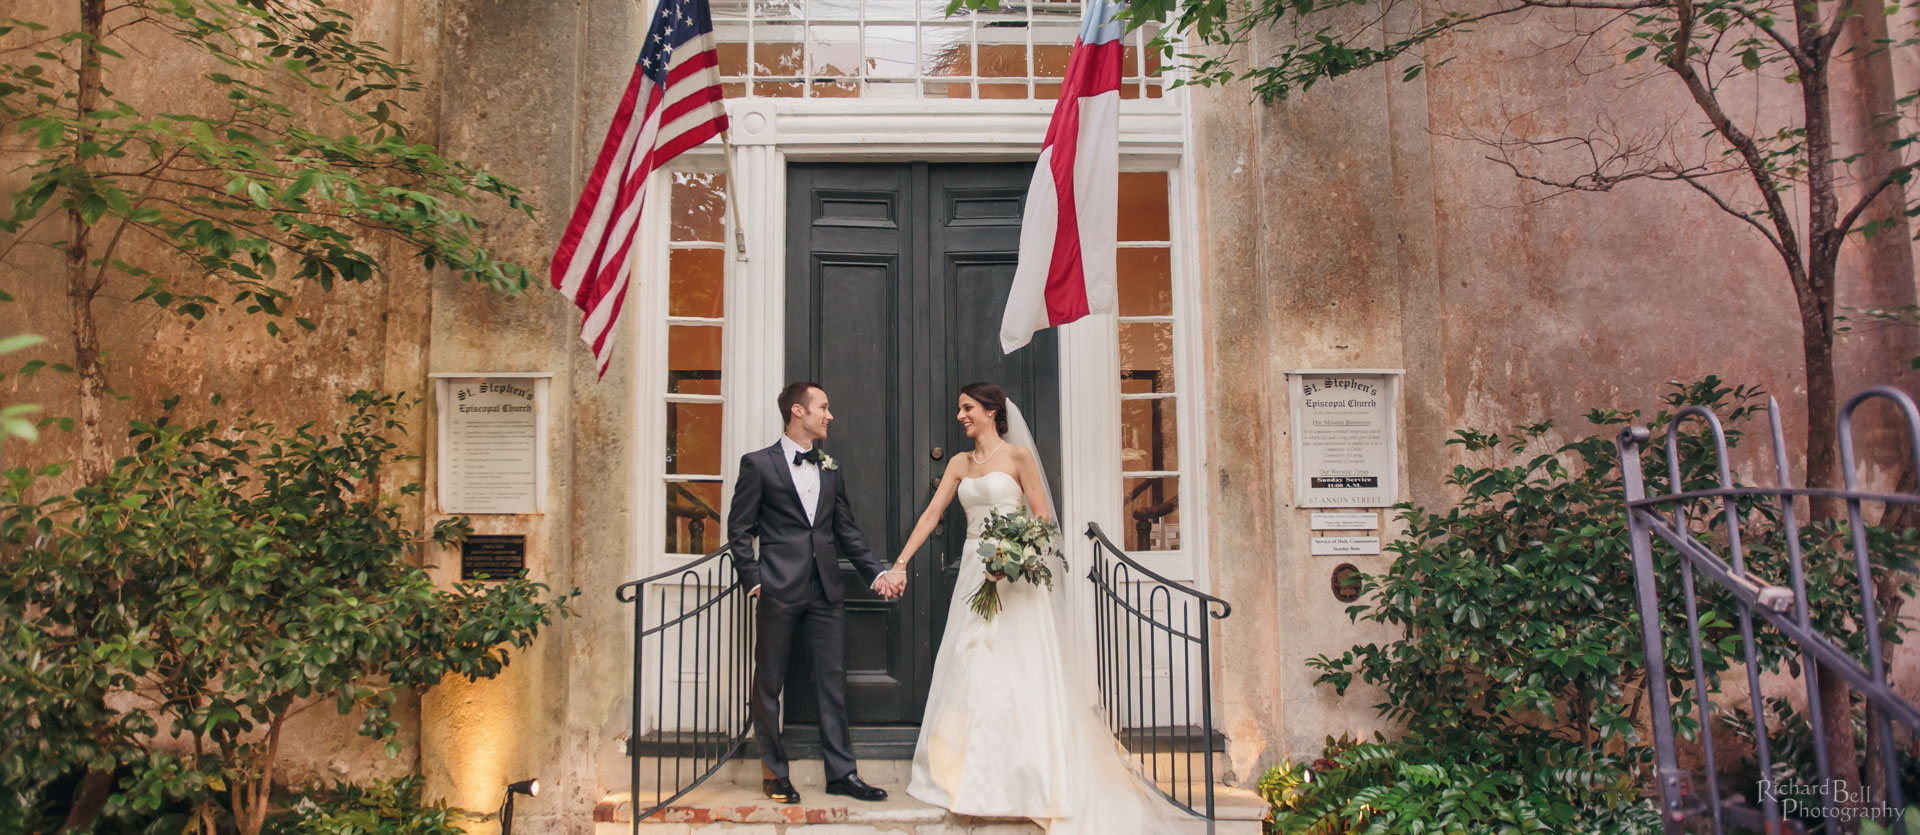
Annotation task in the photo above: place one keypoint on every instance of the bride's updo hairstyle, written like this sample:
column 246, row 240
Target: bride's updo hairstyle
column 992, row 398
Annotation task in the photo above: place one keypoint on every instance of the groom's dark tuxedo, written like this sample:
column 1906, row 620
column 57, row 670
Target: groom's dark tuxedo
column 798, row 571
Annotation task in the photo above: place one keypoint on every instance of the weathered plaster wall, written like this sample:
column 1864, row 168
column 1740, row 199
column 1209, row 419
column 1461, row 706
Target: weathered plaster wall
column 367, row 338
column 1355, row 225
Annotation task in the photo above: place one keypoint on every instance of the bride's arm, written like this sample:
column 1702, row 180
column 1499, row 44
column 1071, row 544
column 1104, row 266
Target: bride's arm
column 930, row 518
column 1030, row 482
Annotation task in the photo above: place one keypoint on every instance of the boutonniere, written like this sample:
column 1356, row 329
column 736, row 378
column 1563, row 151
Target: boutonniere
column 826, row 461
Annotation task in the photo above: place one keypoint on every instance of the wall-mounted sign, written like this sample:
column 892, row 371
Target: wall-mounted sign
column 1345, row 522
column 1341, row 546
column 1346, row 583
column 493, row 442
column 497, row 557
column 1346, row 449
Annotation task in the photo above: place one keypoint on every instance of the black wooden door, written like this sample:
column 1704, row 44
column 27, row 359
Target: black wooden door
column 896, row 277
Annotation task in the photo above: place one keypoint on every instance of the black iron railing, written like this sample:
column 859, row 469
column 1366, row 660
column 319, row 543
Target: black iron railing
column 1155, row 668
column 1783, row 608
column 697, row 636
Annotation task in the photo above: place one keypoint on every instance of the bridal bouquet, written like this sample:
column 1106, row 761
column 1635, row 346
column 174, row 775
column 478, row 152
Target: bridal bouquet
column 1015, row 545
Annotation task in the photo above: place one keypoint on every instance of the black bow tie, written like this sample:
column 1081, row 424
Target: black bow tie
column 810, row 455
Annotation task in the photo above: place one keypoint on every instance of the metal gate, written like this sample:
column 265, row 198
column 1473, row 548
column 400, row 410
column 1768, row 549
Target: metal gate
column 1723, row 563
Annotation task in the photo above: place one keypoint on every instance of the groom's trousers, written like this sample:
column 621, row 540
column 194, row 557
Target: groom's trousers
column 777, row 627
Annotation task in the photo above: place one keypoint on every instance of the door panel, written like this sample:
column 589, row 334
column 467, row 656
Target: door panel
column 897, row 275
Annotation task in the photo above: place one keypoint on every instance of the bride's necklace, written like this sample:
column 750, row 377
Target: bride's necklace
column 975, row 454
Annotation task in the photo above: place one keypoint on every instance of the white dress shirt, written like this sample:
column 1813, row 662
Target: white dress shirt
column 806, row 477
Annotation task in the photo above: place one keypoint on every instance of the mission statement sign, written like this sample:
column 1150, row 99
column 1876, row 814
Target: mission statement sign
column 1345, row 441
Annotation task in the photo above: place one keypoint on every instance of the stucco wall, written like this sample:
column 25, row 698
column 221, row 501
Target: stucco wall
column 1360, row 225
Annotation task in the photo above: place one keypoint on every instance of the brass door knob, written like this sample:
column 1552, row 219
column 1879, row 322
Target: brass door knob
column 937, row 453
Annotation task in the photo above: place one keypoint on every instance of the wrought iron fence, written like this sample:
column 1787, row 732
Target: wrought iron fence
column 1155, row 670
column 697, row 637
column 1783, row 608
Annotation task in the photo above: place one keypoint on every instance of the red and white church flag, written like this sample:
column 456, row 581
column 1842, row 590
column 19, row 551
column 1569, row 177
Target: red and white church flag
column 1068, row 231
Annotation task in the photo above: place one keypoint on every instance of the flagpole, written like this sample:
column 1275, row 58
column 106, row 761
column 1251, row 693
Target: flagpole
column 733, row 202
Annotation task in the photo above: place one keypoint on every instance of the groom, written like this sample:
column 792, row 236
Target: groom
column 791, row 496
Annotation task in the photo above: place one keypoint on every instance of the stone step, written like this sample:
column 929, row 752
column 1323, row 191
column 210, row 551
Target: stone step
column 745, row 770
column 740, row 809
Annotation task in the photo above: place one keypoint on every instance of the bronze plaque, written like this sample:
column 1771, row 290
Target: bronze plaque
column 1346, row 582
column 500, row 557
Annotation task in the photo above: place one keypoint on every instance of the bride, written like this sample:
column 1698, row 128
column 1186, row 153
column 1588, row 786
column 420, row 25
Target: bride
column 1012, row 726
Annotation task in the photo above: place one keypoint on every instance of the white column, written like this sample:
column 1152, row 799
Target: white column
column 755, row 342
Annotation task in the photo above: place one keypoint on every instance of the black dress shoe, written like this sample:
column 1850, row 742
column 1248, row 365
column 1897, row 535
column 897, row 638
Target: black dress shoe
column 780, row 789
column 852, row 786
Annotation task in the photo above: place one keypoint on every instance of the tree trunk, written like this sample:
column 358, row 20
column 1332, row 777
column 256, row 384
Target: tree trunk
column 96, row 787
column 82, row 288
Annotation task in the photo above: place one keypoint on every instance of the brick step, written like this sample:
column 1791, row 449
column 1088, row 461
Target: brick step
column 727, row 808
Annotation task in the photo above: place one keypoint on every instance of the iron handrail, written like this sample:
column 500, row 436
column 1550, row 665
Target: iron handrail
column 622, row 593
column 714, row 650
column 1094, row 533
column 1784, row 608
column 1128, row 642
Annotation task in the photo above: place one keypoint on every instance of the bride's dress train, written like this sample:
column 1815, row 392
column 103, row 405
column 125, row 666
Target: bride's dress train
column 1002, row 735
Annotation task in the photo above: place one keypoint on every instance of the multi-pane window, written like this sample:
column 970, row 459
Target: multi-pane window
column 1149, row 428
column 909, row 49
column 696, row 315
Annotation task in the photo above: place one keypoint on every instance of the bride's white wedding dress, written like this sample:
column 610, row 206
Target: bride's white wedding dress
column 1002, row 736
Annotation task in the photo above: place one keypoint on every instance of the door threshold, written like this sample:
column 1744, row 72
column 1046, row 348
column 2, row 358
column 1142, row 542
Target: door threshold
column 870, row 742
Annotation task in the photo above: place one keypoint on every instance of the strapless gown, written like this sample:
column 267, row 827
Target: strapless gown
column 1000, row 737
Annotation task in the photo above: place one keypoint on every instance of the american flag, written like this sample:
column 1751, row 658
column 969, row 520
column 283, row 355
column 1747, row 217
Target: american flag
column 672, row 103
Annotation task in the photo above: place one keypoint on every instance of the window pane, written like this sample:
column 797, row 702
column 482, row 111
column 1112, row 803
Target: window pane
column 693, row 517
column 949, row 89
column 733, row 57
column 693, row 359
column 699, row 207
column 947, row 51
column 1149, row 436
column 778, row 89
column 776, row 50
column 1003, row 60
column 1146, row 282
column 1003, row 91
column 776, row 10
column 833, row 9
column 696, row 284
column 1050, row 60
column 835, row 90
column 833, row 50
column 1146, row 356
column 891, row 51
column 1152, row 514
column 1143, row 206
column 892, row 89
column 693, row 438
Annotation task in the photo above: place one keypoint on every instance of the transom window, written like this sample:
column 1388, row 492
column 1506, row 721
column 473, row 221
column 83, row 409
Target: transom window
column 908, row 49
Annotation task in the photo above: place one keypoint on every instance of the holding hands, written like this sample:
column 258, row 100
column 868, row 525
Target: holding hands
column 893, row 583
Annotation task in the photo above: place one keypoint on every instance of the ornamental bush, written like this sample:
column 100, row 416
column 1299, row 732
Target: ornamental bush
column 159, row 627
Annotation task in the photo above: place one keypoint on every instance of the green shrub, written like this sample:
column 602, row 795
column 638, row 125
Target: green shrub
column 159, row 627
column 1518, row 673
column 389, row 808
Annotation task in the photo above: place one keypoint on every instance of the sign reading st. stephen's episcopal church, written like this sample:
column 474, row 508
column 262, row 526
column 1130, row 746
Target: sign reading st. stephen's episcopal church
column 491, row 455
column 1345, row 445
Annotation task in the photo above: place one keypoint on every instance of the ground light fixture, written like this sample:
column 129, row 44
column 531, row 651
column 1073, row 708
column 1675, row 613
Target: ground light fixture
column 529, row 787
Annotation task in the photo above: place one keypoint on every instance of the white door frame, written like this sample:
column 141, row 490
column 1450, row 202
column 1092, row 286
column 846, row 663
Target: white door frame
column 766, row 135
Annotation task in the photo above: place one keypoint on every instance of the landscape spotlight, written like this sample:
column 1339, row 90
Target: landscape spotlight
column 530, row 788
